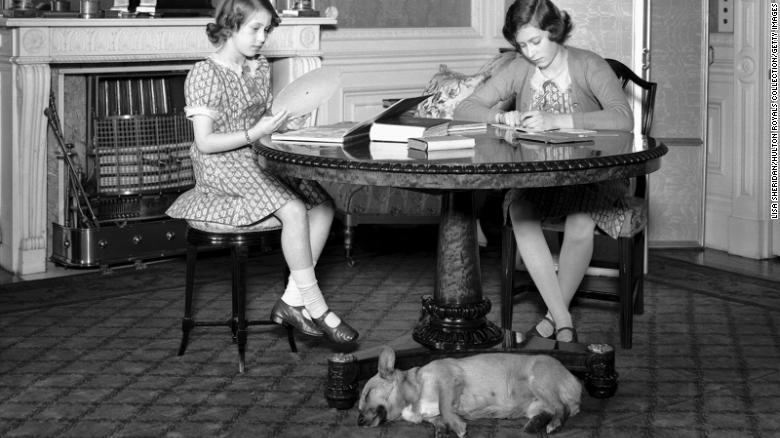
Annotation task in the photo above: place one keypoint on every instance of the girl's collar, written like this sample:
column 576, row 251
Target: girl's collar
column 229, row 65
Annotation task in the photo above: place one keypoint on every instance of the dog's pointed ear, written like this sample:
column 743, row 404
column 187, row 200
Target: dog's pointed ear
column 386, row 362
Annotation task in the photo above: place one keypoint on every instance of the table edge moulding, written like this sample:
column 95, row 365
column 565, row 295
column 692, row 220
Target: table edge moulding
column 29, row 47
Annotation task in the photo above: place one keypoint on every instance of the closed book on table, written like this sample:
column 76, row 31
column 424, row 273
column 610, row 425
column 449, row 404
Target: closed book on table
column 460, row 155
column 388, row 150
column 401, row 128
column 441, row 142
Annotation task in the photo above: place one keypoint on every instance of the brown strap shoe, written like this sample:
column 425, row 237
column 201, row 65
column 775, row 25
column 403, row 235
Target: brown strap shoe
column 342, row 333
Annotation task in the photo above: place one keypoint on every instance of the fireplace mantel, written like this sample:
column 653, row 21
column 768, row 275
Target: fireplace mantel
column 29, row 47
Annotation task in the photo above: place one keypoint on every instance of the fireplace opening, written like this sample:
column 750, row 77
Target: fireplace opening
column 138, row 150
column 135, row 164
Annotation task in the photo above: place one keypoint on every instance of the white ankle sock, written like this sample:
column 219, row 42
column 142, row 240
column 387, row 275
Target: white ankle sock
column 292, row 296
column 306, row 282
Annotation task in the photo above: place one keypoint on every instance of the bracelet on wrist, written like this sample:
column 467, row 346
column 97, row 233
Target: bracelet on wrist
column 246, row 136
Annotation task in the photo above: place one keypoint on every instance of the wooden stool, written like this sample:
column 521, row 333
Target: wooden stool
column 200, row 235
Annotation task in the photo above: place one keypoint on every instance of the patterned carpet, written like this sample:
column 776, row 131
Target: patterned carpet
column 95, row 355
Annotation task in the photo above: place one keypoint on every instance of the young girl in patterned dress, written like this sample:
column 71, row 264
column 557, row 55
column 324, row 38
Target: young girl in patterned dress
column 555, row 86
column 228, row 101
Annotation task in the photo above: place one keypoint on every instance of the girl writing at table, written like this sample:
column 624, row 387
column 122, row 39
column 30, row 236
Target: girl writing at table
column 228, row 100
column 554, row 86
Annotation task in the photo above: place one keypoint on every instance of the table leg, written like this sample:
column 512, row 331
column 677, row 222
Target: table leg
column 455, row 316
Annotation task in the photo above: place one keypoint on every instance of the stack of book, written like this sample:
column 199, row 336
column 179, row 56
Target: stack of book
column 395, row 135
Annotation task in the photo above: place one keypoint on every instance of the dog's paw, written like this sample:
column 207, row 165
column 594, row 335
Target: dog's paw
column 538, row 423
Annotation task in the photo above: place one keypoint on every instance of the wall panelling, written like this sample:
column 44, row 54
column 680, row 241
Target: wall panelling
column 720, row 137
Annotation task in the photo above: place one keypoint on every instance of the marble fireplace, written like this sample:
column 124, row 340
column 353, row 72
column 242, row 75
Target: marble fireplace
column 38, row 55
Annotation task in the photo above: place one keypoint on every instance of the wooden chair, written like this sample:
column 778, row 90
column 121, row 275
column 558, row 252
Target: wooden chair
column 620, row 280
column 202, row 235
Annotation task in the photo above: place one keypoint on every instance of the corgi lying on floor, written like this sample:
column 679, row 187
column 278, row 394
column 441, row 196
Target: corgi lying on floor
column 491, row 385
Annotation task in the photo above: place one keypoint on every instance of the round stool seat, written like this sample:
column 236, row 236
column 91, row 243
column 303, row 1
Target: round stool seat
column 212, row 233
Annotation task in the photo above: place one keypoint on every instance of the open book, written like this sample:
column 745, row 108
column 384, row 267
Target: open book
column 344, row 132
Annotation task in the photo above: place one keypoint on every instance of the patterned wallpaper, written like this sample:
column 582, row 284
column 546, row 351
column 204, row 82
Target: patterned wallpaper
column 400, row 13
column 605, row 27
column 676, row 49
column 677, row 190
column 676, row 197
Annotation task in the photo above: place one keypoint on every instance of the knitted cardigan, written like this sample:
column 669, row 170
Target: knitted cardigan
column 598, row 99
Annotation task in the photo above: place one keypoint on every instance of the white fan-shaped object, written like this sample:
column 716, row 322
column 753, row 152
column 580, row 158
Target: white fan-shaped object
column 308, row 92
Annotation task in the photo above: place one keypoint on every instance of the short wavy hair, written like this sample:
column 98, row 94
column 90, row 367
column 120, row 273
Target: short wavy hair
column 231, row 14
column 540, row 13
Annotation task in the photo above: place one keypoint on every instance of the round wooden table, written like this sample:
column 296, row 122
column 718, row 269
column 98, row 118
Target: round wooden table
column 455, row 316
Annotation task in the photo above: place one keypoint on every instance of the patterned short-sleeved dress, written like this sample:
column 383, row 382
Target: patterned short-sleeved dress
column 604, row 201
column 230, row 187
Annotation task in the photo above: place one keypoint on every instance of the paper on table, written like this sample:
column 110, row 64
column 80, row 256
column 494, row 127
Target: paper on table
column 308, row 92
